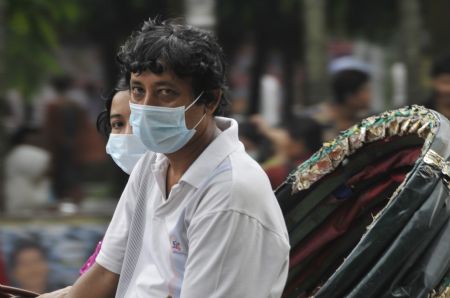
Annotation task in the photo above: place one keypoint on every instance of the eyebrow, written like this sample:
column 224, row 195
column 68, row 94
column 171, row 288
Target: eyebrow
column 165, row 83
column 135, row 82
column 115, row 116
column 156, row 84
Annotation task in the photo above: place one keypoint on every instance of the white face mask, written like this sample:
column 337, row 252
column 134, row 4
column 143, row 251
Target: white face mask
column 162, row 129
column 125, row 150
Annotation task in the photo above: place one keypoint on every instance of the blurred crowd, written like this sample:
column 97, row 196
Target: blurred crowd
column 280, row 146
column 54, row 149
column 53, row 142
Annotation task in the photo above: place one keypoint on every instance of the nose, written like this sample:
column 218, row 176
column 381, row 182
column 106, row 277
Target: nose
column 144, row 100
column 148, row 100
column 128, row 129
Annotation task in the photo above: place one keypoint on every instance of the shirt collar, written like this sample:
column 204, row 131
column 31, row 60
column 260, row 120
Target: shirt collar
column 159, row 169
column 220, row 148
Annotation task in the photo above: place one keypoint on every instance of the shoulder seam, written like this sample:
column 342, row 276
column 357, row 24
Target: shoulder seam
column 241, row 212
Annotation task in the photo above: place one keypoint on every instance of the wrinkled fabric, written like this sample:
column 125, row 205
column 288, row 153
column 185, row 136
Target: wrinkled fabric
column 401, row 226
column 403, row 251
column 341, row 220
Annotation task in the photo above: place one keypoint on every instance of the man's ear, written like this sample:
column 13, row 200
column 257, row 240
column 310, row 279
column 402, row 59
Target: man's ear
column 212, row 106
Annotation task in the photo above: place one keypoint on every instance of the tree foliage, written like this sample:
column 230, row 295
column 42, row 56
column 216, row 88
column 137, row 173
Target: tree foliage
column 373, row 20
column 33, row 30
column 36, row 29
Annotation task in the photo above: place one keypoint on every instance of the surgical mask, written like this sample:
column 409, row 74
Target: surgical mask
column 125, row 150
column 162, row 129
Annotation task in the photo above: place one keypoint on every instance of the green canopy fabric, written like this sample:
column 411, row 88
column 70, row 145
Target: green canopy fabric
column 368, row 214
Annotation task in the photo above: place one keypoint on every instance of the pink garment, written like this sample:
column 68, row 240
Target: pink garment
column 91, row 259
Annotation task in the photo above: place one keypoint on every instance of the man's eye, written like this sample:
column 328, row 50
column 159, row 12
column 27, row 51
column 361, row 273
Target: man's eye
column 137, row 91
column 165, row 92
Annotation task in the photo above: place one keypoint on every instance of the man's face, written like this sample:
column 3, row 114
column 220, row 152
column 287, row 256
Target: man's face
column 295, row 149
column 361, row 99
column 441, row 86
column 166, row 90
column 31, row 270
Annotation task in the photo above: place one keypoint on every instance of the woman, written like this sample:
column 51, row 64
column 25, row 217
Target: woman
column 124, row 147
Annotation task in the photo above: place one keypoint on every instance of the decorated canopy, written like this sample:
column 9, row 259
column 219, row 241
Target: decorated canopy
column 368, row 214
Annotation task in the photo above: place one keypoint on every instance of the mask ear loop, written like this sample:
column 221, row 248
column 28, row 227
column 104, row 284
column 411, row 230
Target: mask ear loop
column 199, row 121
column 195, row 100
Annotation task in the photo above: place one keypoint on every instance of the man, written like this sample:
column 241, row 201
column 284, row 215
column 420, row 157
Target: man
column 27, row 166
column 64, row 127
column 197, row 218
column 351, row 102
column 299, row 139
column 440, row 80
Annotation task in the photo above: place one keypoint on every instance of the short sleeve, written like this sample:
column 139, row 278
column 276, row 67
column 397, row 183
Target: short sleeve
column 232, row 254
column 114, row 243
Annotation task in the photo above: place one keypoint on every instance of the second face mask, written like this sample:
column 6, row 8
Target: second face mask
column 125, row 150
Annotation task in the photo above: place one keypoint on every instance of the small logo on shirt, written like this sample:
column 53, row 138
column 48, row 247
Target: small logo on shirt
column 175, row 245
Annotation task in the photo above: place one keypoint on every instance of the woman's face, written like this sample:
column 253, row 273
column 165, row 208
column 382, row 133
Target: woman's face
column 120, row 113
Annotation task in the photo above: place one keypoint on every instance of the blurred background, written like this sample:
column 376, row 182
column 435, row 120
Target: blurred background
column 299, row 72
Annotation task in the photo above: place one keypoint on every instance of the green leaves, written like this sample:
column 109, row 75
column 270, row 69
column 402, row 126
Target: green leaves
column 33, row 31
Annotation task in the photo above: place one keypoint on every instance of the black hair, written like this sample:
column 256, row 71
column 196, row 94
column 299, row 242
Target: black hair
column 5, row 107
column 187, row 51
column 250, row 131
column 348, row 82
column 20, row 136
column 61, row 83
column 103, row 123
column 23, row 245
column 307, row 130
column 441, row 66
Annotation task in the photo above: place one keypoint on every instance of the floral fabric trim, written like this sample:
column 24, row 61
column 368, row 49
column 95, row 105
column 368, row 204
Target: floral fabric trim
column 405, row 121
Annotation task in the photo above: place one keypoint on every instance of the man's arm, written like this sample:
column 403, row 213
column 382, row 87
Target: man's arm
column 97, row 282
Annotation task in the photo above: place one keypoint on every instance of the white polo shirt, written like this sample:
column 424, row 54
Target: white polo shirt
column 220, row 232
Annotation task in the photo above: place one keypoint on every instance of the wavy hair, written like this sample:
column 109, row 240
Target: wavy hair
column 187, row 51
column 103, row 122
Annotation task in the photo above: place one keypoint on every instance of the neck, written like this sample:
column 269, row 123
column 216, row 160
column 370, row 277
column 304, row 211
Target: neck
column 181, row 160
column 345, row 116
